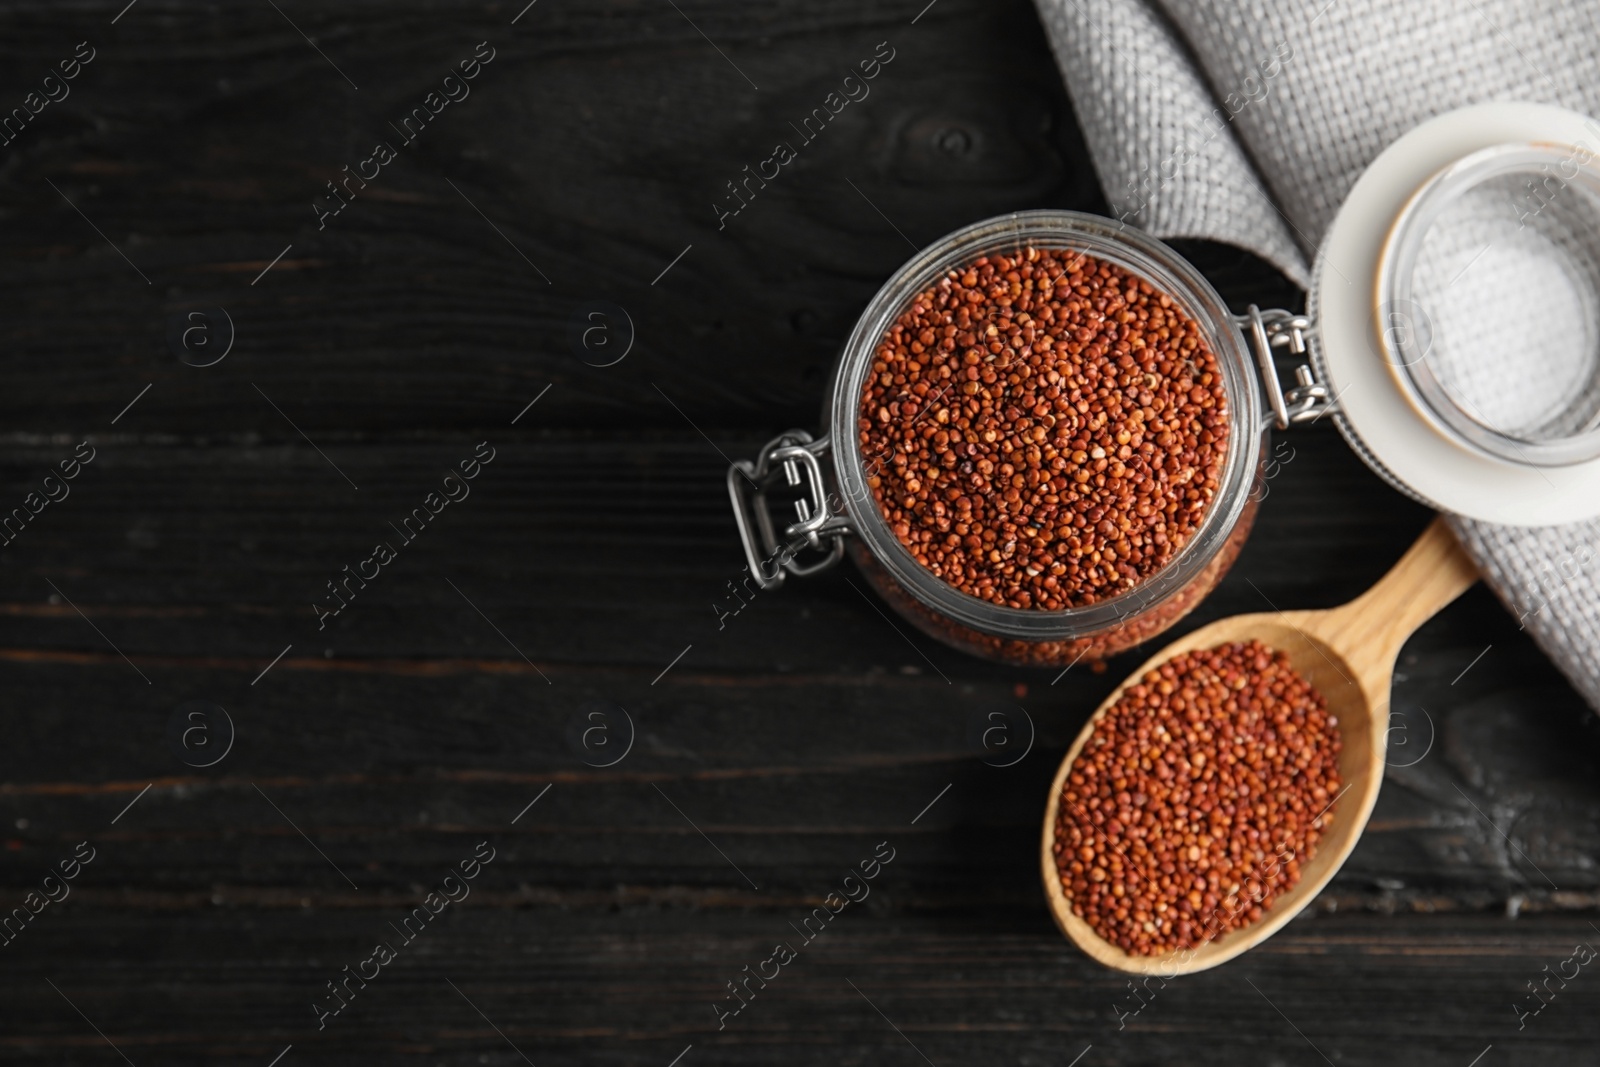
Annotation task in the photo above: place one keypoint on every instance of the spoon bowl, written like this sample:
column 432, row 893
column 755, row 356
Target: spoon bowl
column 1347, row 654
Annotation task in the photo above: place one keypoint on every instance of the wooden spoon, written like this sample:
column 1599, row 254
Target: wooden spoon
column 1348, row 653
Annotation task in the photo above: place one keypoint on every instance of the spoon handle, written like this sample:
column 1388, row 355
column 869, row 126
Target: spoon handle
column 1433, row 572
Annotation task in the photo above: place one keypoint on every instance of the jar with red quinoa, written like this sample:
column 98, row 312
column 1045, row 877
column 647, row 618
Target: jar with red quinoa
column 1045, row 437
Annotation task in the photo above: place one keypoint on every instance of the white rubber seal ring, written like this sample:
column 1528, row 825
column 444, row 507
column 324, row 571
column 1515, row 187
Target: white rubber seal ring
column 1344, row 303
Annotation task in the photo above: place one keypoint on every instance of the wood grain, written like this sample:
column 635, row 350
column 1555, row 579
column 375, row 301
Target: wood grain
column 795, row 735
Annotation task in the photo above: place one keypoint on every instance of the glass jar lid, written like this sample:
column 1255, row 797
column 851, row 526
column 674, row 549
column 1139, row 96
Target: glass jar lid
column 1457, row 303
column 1490, row 288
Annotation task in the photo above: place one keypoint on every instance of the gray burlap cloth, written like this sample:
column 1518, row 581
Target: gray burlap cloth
column 1249, row 122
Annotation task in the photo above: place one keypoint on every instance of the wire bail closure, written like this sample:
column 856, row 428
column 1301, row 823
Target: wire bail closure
column 1309, row 399
column 798, row 458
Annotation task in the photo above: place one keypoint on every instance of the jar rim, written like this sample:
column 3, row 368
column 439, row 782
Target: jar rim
column 1379, row 421
column 1406, row 334
column 1124, row 247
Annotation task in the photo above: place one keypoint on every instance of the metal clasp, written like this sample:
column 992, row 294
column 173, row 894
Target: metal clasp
column 798, row 458
column 1275, row 328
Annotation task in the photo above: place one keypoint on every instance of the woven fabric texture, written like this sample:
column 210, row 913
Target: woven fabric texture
column 1249, row 122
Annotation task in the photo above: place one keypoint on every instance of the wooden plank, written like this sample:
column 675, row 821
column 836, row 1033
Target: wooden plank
column 980, row 985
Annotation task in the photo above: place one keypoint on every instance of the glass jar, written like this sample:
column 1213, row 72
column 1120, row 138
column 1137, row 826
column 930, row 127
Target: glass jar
column 838, row 515
column 1419, row 371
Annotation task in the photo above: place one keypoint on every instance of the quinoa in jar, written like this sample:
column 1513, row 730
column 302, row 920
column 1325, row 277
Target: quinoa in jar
column 1045, row 433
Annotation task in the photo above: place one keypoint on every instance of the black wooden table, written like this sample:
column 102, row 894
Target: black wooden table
column 264, row 789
